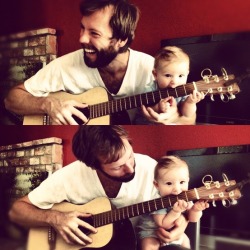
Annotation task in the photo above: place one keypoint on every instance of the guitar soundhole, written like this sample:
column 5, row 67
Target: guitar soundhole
column 90, row 221
column 85, row 111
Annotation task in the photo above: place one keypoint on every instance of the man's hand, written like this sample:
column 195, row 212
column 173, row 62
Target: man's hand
column 179, row 228
column 67, row 225
column 167, row 117
column 61, row 112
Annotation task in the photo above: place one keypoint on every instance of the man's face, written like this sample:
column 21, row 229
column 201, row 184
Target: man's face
column 99, row 47
column 124, row 168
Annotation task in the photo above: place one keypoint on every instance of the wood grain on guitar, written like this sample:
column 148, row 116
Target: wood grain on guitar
column 103, row 216
column 100, row 107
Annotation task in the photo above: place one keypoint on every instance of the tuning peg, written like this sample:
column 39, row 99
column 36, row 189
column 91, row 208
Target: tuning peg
column 216, row 78
column 212, row 97
column 214, row 204
column 234, row 202
column 232, row 96
column 222, row 97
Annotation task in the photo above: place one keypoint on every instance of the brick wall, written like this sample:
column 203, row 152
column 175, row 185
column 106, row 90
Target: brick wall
column 37, row 155
column 22, row 54
column 23, row 167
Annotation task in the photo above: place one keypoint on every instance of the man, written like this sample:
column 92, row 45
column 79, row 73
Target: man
column 105, row 60
column 106, row 167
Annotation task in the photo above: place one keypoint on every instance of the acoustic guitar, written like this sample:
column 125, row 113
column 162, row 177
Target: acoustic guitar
column 101, row 106
column 105, row 219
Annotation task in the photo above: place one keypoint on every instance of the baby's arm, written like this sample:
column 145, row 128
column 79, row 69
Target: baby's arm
column 188, row 107
column 195, row 212
column 167, row 221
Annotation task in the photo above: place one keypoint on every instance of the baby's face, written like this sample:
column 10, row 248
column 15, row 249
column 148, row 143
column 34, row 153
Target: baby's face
column 172, row 74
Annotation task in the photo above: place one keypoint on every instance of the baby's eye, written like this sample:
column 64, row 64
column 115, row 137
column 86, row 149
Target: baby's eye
column 182, row 182
column 169, row 183
column 181, row 76
column 168, row 75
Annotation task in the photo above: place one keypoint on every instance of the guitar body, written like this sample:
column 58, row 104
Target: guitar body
column 90, row 97
column 108, row 237
column 100, row 239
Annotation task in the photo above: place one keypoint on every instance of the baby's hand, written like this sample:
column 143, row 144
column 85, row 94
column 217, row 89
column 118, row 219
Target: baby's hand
column 200, row 205
column 165, row 104
column 195, row 97
column 180, row 206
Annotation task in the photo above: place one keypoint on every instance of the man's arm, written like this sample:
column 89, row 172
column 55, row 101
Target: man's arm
column 24, row 213
column 20, row 101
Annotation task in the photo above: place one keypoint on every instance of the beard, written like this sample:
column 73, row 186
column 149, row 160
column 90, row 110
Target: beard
column 103, row 57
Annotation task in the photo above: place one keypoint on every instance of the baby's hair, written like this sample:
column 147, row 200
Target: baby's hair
column 167, row 162
column 169, row 54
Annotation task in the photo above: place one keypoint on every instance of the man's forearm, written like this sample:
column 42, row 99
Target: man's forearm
column 21, row 102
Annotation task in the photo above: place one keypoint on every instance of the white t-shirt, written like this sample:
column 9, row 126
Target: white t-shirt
column 79, row 184
column 69, row 73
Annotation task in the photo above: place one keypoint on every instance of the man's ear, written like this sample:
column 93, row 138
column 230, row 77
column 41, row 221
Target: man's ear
column 122, row 43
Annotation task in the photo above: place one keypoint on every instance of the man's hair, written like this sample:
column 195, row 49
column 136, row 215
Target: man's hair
column 169, row 54
column 167, row 162
column 123, row 22
column 90, row 143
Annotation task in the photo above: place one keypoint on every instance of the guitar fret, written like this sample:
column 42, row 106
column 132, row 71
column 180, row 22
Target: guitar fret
column 162, row 203
column 176, row 92
column 184, row 87
column 155, row 204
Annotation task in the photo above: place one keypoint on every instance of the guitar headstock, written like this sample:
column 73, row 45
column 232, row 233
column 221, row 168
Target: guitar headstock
column 214, row 191
column 217, row 85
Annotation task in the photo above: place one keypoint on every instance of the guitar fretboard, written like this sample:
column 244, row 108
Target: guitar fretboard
column 141, row 208
column 130, row 102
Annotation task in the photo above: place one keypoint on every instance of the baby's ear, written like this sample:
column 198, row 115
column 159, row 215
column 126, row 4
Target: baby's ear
column 156, row 184
column 154, row 73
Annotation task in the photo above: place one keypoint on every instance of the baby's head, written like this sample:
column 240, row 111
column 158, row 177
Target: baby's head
column 171, row 67
column 171, row 175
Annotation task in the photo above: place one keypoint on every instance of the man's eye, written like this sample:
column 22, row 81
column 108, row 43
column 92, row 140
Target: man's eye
column 95, row 34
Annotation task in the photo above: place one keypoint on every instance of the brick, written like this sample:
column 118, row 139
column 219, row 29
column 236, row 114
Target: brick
column 51, row 45
column 47, row 159
column 24, row 161
column 38, row 51
column 11, row 154
column 39, row 150
column 28, row 52
column 57, row 154
column 34, row 161
column 30, row 152
column 37, row 41
column 20, row 153
column 46, row 31
column 3, row 155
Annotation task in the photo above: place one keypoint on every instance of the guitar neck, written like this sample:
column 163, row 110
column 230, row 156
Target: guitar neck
column 130, row 102
column 142, row 208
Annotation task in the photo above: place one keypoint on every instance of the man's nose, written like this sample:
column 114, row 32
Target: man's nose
column 84, row 37
column 128, row 169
